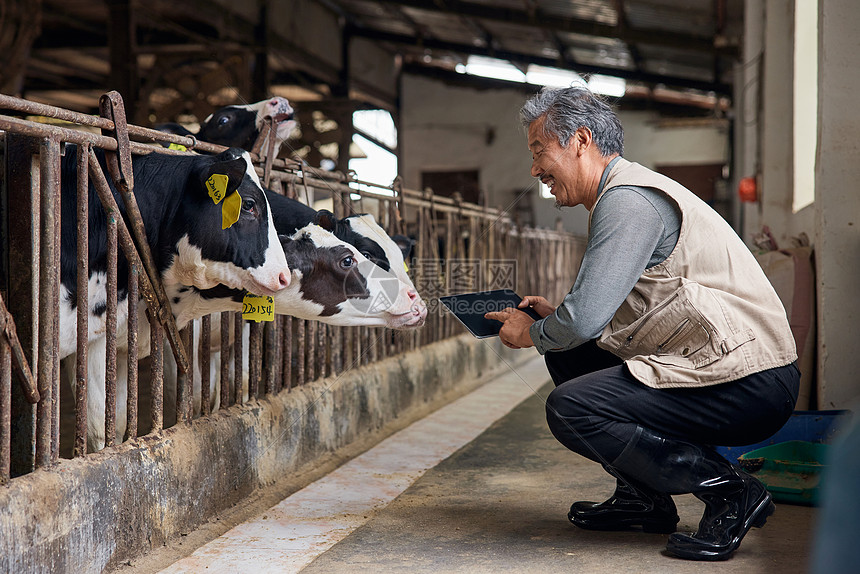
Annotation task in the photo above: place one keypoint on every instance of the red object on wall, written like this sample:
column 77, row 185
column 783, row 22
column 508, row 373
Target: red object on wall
column 748, row 189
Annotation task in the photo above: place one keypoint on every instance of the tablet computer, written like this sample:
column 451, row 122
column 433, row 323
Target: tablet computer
column 469, row 308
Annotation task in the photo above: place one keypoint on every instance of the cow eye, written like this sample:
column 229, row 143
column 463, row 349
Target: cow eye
column 250, row 206
column 347, row 262
column 223, row 120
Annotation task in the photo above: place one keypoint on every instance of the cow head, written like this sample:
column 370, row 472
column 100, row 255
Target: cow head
column 246, row 254
column 388, row 254
column 240, row 125
column 334, row 283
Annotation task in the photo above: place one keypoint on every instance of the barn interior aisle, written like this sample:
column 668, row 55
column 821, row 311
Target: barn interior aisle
column 479, row 485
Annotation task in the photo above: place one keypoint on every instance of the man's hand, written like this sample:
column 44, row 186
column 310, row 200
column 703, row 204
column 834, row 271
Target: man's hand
column 515, row 331
column 541, row 306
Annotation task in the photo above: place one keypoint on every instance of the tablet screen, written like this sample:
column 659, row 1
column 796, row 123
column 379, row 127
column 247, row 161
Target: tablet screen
column 469, row 308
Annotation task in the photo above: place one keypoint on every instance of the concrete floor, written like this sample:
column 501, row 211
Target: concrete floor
column 491, row 500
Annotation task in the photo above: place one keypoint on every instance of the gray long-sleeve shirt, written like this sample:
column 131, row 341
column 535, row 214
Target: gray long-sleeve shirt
column 632, row 228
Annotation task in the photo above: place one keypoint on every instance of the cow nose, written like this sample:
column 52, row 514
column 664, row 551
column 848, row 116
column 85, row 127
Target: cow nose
column 284, row 279
column 416, row 300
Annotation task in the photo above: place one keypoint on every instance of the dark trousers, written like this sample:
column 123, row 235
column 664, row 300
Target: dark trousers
column 597, row 405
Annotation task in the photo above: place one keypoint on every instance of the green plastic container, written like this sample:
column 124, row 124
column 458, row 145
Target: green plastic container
column 790, row 470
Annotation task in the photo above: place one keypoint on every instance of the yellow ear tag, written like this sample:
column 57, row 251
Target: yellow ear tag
column 230, row 210
column 180, row 147
column 258, row 308
column 217, row 186
column 405, row 266
column 232, row 206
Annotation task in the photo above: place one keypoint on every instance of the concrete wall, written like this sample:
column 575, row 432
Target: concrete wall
column 837, row 203
column 89, row 515
column 445, row 128
column 765, row 136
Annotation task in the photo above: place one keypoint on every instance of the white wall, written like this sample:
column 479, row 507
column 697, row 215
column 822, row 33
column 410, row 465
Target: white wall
column 651, row 144
column 445, row 128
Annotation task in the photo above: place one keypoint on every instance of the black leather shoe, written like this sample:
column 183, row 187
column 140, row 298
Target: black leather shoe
column 629, row 507
column 732, row 507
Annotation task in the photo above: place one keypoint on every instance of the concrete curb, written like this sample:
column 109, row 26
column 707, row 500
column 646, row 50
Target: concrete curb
column 90, row 515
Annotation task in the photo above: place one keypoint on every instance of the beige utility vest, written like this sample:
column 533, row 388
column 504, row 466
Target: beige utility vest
column 705, row 315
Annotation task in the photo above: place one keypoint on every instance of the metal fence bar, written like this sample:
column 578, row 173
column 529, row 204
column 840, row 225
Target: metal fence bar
column 238, row 326
column 5, row 410
column 205, row 357
column 49, row 297
column 81, row 367
column 110, row 328
column 156, row 362
column 287, row 356
column 226, row 347
column 271, row 354
column 300, row 352
column 132, row 356
column 254, row 358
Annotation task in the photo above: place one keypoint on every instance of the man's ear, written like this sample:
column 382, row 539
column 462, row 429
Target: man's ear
column 582, row 139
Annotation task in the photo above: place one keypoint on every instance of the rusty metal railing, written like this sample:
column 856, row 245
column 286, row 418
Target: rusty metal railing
column 459, row 247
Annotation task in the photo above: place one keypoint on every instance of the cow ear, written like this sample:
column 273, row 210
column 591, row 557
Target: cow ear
column 234, row 169
column 405, row 244
column 326, row 220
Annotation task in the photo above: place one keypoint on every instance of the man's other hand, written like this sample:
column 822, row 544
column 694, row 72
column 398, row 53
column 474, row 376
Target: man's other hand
column 541, row 306
column 515, row 331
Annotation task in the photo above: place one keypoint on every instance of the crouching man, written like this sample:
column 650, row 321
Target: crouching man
column 670, row 340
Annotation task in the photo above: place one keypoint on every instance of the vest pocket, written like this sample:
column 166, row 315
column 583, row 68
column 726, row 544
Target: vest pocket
column 674, row 332
column 689, row 337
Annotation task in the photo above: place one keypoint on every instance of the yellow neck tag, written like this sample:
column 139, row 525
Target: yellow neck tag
column 217, row 186
column 405, row 266
column 258, row 308
column 230, row 210
column 180, row 147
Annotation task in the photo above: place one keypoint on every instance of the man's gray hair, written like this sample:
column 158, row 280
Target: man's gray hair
column 568, row 109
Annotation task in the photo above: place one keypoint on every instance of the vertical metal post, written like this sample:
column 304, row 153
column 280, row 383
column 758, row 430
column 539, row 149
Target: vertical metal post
column 55, row 303
column 225, row 360
column 156, row 361
column 270, row 331
column 324, row 349
column 110, row 328
column 5, row 410
column 49, row 280
column 254, row 359
column 205, row 358
column 132, row 375
column 239, row 326
column 312, row 350
column 336, row 349
column 83, row 195
column 185, row 381
column 300, row 352
column 287, row 371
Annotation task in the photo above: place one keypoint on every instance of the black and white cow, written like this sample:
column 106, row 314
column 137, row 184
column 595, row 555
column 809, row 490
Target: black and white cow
column 331, row 282
column 240, row 125
column 389, row 253
column 184, row 232
column 185, row 235
column 375, row 292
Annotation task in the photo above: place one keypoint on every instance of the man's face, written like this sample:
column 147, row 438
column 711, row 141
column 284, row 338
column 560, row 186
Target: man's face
column 555, row 166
